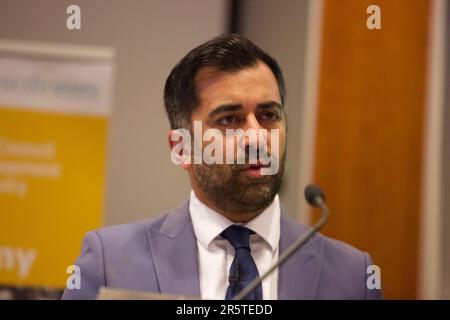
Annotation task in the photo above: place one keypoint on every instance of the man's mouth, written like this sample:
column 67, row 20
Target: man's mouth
column 254, row 170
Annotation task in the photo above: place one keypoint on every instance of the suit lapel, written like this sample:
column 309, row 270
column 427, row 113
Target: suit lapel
column 299, row 275
column 174, row 250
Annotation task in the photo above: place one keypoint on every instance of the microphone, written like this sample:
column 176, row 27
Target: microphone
column 314, row 195
column 316, row 198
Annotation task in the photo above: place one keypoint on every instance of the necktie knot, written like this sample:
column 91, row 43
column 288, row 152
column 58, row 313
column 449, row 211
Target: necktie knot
column 238, row 236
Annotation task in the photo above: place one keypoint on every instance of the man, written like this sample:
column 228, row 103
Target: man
column 233, row 227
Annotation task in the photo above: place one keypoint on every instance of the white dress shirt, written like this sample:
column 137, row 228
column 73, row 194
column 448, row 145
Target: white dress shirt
column 215, row 254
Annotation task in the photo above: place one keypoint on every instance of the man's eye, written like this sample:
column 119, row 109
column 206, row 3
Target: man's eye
column 226, row 121
column 270, row 116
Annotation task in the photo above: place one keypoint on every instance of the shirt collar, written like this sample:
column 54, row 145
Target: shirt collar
column 208, row 223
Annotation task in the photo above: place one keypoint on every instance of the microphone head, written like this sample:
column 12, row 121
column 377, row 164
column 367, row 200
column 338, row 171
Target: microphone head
column 313, row 193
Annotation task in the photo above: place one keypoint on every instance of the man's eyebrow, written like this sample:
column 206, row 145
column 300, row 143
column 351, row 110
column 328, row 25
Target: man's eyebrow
column 269, row 105
column 225, row 108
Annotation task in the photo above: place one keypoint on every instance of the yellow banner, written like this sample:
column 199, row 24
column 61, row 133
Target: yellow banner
column 53, row 134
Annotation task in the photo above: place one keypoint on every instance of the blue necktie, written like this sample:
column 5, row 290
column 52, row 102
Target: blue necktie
column 243, row 269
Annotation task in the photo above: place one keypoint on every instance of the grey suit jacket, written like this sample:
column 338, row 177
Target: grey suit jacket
column 160, row 255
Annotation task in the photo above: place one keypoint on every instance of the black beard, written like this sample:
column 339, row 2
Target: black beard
column 230, row 190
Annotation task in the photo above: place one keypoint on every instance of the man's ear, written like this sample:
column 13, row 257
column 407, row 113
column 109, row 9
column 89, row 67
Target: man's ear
column 178, row 154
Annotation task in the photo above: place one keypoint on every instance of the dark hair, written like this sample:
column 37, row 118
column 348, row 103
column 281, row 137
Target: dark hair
column 228, row 53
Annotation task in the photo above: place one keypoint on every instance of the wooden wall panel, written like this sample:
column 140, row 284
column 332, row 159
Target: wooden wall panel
column 369, row 132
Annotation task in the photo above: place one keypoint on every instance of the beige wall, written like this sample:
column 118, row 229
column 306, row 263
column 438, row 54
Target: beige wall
column 149, row 37
column 445, row 228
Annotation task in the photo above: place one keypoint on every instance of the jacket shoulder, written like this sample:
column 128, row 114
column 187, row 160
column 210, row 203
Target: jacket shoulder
column 344, row 268
column 120, row 233
column 117, row 256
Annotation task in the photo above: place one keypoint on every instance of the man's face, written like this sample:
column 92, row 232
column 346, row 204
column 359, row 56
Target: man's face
column 248, row 99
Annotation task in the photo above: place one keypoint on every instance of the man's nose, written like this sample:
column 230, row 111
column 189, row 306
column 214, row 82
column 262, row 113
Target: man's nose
column 252, row 122
column 255, row 128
